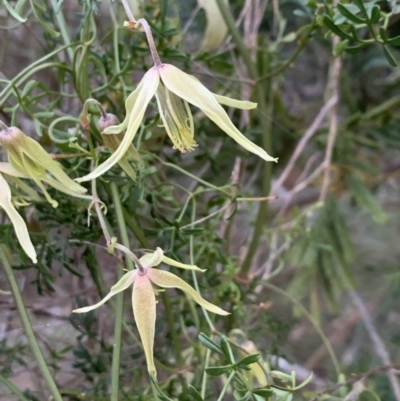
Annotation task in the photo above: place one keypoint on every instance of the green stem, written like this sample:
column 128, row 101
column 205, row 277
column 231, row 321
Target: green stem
column 63, row 27
column 263, row 115
column 119, row 297
column 133, row 224
column 13, row 388
column 221, row 396
column 28, row 328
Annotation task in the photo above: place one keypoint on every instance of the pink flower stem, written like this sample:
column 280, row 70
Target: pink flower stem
column 150, row 40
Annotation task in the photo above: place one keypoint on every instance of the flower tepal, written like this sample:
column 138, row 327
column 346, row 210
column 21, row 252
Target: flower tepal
column 16, row 220
column 174, row 89
column 144, row 299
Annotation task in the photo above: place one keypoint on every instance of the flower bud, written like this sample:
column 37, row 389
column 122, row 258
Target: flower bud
column 112, row 142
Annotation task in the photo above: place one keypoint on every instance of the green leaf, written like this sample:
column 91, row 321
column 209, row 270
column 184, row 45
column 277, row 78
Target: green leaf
column 360, row 4
column 394, row 41
column 355, row 49
column 383, row 33
column 218, row 370
column 226, row 349
column 264, row 392
column 210, row 344
column 195, row 394
column 366, row 199
column 13, row 12
column 389, row 57
column 335, row 29
column 340, row 47
column 249, row 359
column 375, row 14
column 349, row 15
column 368, row 395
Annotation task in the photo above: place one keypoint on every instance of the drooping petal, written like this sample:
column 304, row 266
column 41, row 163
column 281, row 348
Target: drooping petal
column 17, row 221
column 125, row 281
column 197, row 94
column 129, row 104
column 152, row 259
column 150, row 83
column 216, row 30
column 238, row 104
column 59, row 187
column 8, row 169
column 166, row 279
column 29, row 157
column 172, row 262
column 144, row 311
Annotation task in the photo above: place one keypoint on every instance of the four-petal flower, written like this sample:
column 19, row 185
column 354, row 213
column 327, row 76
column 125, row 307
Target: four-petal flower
column 174, row 89
column 143, row 296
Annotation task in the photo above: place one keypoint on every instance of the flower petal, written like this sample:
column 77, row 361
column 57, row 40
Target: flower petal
column 38, row 156
column 175, row 263
column 17, row 221
column 57, row 185
column 197, row 94
column 150, row 83
column 129, row 104
column 8, row 169
column 144, row 311
column 125, row 281
column 239, row 104
column 152, row 259
column 168, row 280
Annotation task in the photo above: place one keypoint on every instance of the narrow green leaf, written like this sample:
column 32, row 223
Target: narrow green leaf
column 394, row 41
column 30, row 85
column 360, row 4
column 375, row 14
column 368, row 395
column 249, row 359
column 335, row 29
column 349, row 15
column 13, row 12
column 195, row 394
column 264, row 392
column 218, row 370
column 366, row 199
column 340, row 47
column 226, row 349
column 389, row 57
column 383, row 34
column 210, row 344
column 355, row 49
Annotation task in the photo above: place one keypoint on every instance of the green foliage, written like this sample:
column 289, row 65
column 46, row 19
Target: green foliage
column 207, row 207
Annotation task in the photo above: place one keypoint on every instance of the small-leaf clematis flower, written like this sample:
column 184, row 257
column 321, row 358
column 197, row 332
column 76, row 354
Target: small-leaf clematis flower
column 16, row 220
column 174, row 89
column 143, row 296
column 30, row 160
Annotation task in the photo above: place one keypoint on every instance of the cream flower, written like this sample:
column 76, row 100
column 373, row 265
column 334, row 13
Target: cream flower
column 29, row 160
column 174, row 89
column 144, row 300
column 16, row 220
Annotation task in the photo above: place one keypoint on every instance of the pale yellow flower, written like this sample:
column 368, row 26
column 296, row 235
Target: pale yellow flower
column 144, row 300
column 16, row 220
column 174, row 89
column 29, row 160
